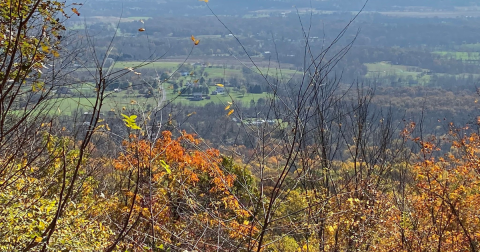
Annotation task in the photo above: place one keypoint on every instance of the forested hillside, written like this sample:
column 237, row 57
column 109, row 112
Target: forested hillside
column 257, row 126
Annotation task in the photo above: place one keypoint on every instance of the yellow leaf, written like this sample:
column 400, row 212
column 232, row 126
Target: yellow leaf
column 192, row 38
column 197, row 42
column 45, row 48
column 230, row 112
column 220, row 85
column 141, row 29
column 331, row 229
column 41, row 225
column 227, row 107
column 165, row 166
column 76, row 11
column 206, row 1
column 130, row 121
column 56, row 54
column 38, row 239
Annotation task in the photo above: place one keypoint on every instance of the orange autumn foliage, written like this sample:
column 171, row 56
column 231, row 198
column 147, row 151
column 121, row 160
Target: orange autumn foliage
column 181, row 190
column 440, row 211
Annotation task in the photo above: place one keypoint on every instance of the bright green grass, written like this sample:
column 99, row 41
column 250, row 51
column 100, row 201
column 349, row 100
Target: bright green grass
column 120, row 100
column 115, row 101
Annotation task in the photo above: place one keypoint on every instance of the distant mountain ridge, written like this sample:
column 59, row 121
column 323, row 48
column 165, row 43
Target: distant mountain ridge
column 336, row 4
column 242, row 7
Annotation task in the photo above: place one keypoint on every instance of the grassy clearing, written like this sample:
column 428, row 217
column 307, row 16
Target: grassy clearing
column 404, row 74
column 68, row 105
column 234, row 97
column 223, row 73
column 213, row 72
column 218, row 72
column 384, row 69
column 118, row 100
column 114, row 101
column 464, row 56
column 280, row 72
column 147, row 65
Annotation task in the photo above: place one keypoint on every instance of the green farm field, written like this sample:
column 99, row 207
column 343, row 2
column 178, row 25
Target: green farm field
column 234, row 97
column 406, row 73
column 147, row 65
column 383, row 69
column 213, row 72
column 116, row 101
